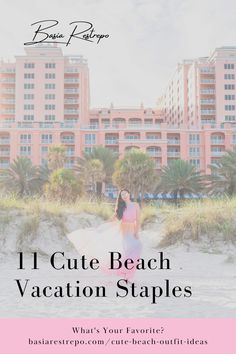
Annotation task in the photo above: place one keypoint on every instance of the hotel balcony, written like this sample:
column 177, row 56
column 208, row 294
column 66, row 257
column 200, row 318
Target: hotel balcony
column 70, row 153
column 207, row 81
column 154, row 153
column 207, row 102
column 46, row 125
column 4, row 164
column 68, row 124
column 120, row 126
column 8, row 80
column 71, row 101
column 173, row 141
column 67, row 140
column 208, row 121
column 8, row 90
column 173, row 153
column 215, row 141
column 71, row 91
column 111, row 141
column 8, row 101
column 71, row 70
column 207, row 70
column 8, row 111
column 208, row 112
column 71, row 80
column 71, row 111
column 8, row 70
column 151, row 141
column 217, row 153
column 4, row 141
column 4, row 152
column 207, row 91
column 142, row 141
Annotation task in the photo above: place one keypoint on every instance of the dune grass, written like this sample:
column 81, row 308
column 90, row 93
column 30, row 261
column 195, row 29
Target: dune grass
column 36, row 205
column 40, row 205
column 192, row 220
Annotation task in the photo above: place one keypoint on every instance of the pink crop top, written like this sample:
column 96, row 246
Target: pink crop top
column 129, row 214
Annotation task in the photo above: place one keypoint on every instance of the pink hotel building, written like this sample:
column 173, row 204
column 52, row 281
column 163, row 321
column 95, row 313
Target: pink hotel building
column 45, row 100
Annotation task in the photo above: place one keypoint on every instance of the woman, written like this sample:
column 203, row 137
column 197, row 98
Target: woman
column 128, row 213
column 119, row 234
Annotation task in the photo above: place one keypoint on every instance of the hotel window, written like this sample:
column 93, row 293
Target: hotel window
column 28, row 106
column 28, row 86
column 25, row 150
column 195, row 162
column 69, row 163
column 230, row 107
column 88, row 149
column 28, row 76
column 194, row 151
column 50, row 107
column 44, row 162
column 229, row 97
column 68, row 139
column 50, row 117
column 28, row 96
column 28, row 117
column 50, row 96
column 50, row 65
column 90, row 139
column 29, row 65
column 25, row 138
column 70, row 151
column 194, row 139
column 46, row 138
column 50, row 86
column 50, row 76
column 229, row 66
column 217, row 150
column 44, row 150
column 229, row 118
column 229, row 87
column 229, row 76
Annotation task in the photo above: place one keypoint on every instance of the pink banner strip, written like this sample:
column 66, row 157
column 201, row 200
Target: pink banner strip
column 185, row 336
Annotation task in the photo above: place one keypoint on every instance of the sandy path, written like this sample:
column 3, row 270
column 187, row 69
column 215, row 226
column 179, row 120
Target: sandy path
column 213, row 282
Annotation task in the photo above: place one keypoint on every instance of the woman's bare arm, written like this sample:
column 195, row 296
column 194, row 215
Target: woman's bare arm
column 113, row 218
column 138, row 221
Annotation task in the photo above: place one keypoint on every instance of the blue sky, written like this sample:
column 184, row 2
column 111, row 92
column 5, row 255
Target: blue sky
column 147, row 40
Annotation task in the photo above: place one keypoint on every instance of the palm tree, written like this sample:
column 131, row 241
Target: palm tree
column 222, row 179
column 56, row 157
column 92, row 172
column 179, row 178
column 136, row 172
column 107, row 159
column 21, row 177
column 44, row 174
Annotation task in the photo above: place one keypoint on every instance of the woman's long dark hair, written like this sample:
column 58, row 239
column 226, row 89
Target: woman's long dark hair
column 120, row 204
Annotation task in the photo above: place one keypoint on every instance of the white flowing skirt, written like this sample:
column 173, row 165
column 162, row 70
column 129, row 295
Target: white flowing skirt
column 99, row 242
